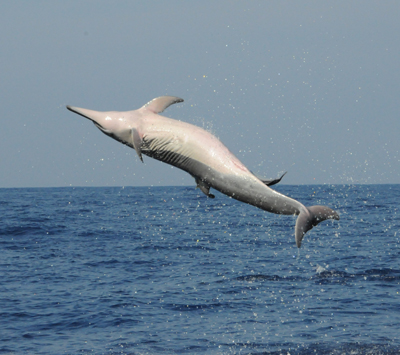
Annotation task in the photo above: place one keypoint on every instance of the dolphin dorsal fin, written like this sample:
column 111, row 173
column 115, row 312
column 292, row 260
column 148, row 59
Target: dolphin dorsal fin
column 159, row 104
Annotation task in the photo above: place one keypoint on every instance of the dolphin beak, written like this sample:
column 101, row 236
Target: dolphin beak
column 89, row 114
column 95, row 116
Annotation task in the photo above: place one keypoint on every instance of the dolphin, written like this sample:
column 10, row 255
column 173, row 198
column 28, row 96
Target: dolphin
column 203, row 156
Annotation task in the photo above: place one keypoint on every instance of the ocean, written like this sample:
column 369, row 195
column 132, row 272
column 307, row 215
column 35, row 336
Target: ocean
column 166, row 270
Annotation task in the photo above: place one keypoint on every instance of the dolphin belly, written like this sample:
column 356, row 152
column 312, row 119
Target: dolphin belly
column 244, row 187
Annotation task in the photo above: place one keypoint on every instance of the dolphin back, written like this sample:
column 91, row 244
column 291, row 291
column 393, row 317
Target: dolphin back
column 309, row 217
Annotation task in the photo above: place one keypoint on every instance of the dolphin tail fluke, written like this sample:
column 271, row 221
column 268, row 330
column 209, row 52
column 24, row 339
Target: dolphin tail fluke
column 309, row 218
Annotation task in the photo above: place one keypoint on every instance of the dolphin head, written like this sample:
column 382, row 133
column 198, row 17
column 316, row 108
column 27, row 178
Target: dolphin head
column 117, row 125
column 122, row 126
column 125, row 126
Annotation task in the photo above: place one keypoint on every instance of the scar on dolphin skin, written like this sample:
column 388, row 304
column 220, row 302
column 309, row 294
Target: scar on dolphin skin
column 203, row 156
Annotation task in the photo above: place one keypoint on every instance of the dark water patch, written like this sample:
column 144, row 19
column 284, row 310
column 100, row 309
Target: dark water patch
column 373, row 275
column 15, row 231
column 257, row 278
column 383, row 274
column 196, row 307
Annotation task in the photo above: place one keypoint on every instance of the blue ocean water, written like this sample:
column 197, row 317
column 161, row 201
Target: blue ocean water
column 165, row 270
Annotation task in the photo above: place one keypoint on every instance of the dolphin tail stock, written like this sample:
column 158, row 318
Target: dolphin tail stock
column 309, row 217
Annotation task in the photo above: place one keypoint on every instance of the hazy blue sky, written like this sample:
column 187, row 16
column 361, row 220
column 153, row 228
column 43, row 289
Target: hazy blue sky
column 308, row 87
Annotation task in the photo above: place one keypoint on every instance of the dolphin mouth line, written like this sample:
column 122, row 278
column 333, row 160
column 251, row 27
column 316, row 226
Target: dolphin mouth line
column 99, row 126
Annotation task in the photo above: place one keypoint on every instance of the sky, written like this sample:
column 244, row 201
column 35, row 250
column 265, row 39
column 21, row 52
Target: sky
column 307, row 87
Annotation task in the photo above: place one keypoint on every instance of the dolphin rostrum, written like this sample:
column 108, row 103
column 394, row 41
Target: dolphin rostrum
column 203, row 156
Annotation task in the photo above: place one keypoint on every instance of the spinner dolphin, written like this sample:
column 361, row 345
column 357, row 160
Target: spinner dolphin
column 203, row 156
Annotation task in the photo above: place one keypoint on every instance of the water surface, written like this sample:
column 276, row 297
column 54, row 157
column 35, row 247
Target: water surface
column 165, row 270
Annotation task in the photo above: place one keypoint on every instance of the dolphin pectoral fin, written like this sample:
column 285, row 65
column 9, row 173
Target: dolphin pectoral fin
column 309, row 218
column 137, row 142
column 273, row 181
column 204, row 188
column 159, row 104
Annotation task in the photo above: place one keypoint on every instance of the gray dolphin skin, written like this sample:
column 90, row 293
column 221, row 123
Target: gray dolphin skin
column 203, row 156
